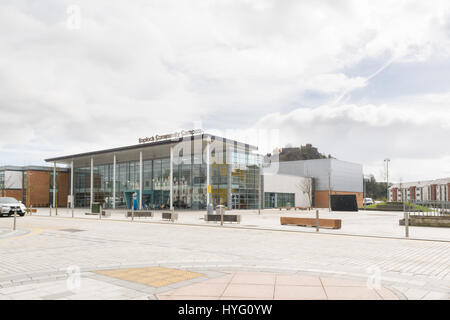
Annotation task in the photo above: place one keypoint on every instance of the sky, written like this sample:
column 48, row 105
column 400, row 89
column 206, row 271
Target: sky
column 361, row 80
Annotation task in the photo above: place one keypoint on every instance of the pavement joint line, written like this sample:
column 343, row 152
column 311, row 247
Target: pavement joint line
column 257, row 229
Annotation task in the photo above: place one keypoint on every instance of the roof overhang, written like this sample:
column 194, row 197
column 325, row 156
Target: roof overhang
column 151, row 150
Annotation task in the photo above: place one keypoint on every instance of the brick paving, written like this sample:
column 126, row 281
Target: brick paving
column 37, row 258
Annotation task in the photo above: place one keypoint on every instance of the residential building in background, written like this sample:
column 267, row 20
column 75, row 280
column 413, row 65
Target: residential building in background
column 430, row 190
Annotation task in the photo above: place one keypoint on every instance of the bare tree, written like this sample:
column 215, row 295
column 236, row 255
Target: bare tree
column 306, row 187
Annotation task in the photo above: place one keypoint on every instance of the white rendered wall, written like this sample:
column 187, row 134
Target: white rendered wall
column 289, row 184
column 13, row 179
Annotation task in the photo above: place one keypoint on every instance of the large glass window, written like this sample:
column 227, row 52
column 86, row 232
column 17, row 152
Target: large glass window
column 189, row 182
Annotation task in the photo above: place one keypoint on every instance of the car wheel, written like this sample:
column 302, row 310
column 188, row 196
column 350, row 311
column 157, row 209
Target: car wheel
column 21, row 214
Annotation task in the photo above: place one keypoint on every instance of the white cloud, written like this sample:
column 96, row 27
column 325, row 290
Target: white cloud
column 135, row 69
column 370, row 133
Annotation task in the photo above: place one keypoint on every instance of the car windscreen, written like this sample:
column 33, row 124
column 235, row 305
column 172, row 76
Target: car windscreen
column 8, row 200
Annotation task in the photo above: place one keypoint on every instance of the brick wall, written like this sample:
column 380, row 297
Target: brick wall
column 14, row 193
column 394, row 194
column 433, row 192
column 412, row 193
column 63, row 188
column 321, row 199
column 38, row 185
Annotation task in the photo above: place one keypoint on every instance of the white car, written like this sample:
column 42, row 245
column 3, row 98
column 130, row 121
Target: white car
column 10, row 205
column 368, row 201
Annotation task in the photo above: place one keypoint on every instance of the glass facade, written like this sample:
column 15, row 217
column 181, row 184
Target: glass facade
column 278, row 200
column 189, row 182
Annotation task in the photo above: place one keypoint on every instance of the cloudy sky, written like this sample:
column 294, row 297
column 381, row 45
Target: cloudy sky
column 361, row 80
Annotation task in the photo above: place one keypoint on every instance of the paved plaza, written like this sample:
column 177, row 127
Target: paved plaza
column 87, row 258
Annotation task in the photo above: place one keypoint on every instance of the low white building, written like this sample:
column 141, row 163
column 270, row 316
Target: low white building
column 282, row 190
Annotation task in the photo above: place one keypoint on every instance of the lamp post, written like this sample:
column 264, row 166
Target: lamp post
column 387, row 160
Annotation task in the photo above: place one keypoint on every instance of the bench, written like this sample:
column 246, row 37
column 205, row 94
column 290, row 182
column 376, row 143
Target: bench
column 226, row 218
column 287, row 208
column 311, row 222
column 139, row 214
column 31, row 210
column 172, row 216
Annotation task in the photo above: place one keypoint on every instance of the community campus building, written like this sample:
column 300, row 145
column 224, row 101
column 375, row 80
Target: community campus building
column 185, row 170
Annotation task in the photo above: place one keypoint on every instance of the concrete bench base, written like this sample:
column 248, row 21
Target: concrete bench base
column 139, row 214
column 104, row 214
column 226, row 218
column 440, row 222
column 172, row 216
column 311, row 222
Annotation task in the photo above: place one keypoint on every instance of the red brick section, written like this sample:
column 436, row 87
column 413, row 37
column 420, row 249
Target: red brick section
column 394, row 194
column 433, row 192
column 14, row 193
column 38, row 188
column 63, row 188
column 412, row 193
column 321, row 199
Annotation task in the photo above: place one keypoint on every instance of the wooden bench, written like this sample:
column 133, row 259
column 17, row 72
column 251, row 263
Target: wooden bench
column 31, row 210
column 168, row 215
column 139, row 214
column 311, row 222
column 226, row 218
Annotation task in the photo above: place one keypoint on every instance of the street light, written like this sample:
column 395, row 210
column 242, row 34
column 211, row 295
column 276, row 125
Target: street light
column 387, row 160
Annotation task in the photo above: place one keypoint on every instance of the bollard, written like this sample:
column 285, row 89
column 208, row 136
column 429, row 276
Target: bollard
column 15, row 216
column 407, row 224
column 72, row 213
column 317, row 220
column 50, row 210
column 132, row 215
column 221, row 216
column 100, row 212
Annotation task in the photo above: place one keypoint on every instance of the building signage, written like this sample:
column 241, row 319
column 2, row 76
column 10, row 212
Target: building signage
column 175, row 135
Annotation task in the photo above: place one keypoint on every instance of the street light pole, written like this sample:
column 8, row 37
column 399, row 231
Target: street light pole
column 387, row 160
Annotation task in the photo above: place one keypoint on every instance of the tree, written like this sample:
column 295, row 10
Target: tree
column 375, row 190
column 306, row 187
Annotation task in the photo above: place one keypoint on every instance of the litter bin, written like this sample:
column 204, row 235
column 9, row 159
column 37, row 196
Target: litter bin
column 220, row 209
column 95, row 207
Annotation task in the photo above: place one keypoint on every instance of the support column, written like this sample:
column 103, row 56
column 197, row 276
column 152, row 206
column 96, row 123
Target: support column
column 229, row 179
column 54, row 184
column 208, row 172
column 114, row 183
column 259, row 190
column 92, row 182
column 72, row 205
column 140, row 180
column 171, row 178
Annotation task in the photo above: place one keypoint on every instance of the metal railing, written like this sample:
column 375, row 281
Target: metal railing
column 427, row 208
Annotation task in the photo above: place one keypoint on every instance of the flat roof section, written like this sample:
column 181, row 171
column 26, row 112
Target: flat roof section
column 162, row 147
column 31, row 168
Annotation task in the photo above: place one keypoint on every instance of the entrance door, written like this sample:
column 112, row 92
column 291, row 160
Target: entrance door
column 272, row 200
